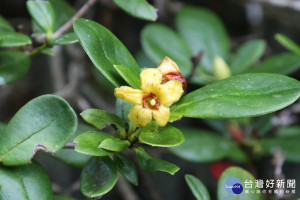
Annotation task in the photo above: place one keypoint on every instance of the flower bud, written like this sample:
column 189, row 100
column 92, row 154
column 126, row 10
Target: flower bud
column 220, row 69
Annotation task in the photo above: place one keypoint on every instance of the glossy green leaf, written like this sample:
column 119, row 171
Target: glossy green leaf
column 2, row 127
column 243, row 176
column 205, row 146
column 60, row 197
column 197, row 187
column 126, row 167
column 100, row 118
column 288, row 43
column 285, row 63
column 152, row 164
column 5, row 25
column 13, row 66
column 45, row 123
column 105, row 50
column 68, row 38
column 287, row 140
column 166, row 136
column 11, row 39
column 43, row 15
column 128, row 76
column 159, row 41
column 98, row 177
column 71, row 157
column 138, row 8
column 247, row 55
column 114, row 144
column 122, row 109
column 239, row 96
column 63, row 12
column 88, row 143
column 203, row 31
column 25, row 182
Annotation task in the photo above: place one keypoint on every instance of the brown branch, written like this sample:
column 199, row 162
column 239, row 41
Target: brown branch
column 126, row 190
column 79, row 14
column 70, row 145
column 196, row 59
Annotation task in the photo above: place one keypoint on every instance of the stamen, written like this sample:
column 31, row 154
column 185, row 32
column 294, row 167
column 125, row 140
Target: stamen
column 152, row 102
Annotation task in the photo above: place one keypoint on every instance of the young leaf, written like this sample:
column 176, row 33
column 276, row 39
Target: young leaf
column 198, row 188
column 151, row 164
column 128, row 76
column 247, row 55
column 114, row 144
column 48, row 51
column 89, row 142
column 243, row 176
column 98, row 177
column 46, row 122
column 14, row 65
column 105, row 50
column 284, row 63
column 11, row 39
column 71, row 157
column 68, row 38
column 126, row 167
column 63, row 12
column 159, row 41
column 239, row 96
column 166, row 136
column 43, row 15
column 5, row 25
column 288, row 43
column 204, row 146
column 138, row 8
column 100, row 118
column 25, row 182
column 203, row 31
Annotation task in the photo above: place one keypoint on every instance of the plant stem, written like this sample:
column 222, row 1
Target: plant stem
column 37, row 50
column 79, row 14
column 70, row 145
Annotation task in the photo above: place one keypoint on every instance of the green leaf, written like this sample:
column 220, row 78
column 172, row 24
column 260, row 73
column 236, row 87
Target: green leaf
column 205, row 146
column 198, row 188
column 63, row 12
column 68, row 38
column 247, row 55
column 143, row 60
column 2, row 128
column 114, row 144
column 166, row 136
column 25, row 182
column 243, row 176
column 128, row 76
column 240, row 96
column 48, row 51
column 89, row 142
column 105, row 50
column 71, row 157
column 138, row 8
column 151, row 164
column 284, row 63
column 100, row 118
column 122, row 109
column 203, row 31
column 126, row 167
column 43, row 15
column 288, row 43
column 287, row 140
column 159, row 41
column 11, row 39
column 5, row 25
column 13, row 66
column 46, row 122
column 60, row 197
column 98, row 177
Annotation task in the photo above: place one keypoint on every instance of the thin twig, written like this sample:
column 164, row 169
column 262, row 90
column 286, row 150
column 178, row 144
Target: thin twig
column 126, row 190
column 278, row 161
column 79, row 14
column 196, row 59
column 70, row 145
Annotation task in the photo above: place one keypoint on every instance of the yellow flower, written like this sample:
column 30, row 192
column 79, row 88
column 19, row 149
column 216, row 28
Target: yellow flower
column 154, row 98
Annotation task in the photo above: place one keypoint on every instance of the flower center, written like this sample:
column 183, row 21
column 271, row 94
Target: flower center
column 151, row 101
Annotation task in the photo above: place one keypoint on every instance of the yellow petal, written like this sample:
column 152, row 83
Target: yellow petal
column 140, row 116
column 150, row 80
column 161, row 115
column 170, row 92
column 167, row 65
column 129, row 94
